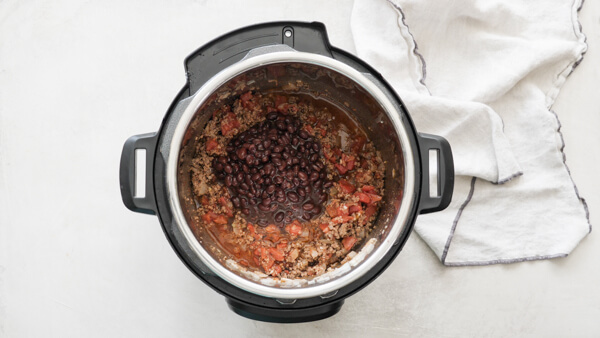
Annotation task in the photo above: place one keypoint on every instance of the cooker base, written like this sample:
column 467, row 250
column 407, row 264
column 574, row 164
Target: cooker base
column 283, row 315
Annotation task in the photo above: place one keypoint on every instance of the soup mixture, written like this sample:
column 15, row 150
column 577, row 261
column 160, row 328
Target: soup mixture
column 286, row 184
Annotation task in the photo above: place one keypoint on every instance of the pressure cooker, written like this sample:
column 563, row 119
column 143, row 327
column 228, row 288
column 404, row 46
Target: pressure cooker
column 342, row 79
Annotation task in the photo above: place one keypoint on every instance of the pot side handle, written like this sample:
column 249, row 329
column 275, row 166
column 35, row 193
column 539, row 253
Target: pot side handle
column 445, row 182
column 141, row 200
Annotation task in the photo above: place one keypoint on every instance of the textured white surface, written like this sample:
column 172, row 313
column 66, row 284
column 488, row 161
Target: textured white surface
column 78, row 78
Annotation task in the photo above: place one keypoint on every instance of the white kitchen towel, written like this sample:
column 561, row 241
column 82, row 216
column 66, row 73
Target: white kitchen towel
column 484, row 74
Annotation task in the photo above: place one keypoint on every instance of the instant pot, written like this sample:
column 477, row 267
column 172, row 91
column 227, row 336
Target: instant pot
column 294, row 57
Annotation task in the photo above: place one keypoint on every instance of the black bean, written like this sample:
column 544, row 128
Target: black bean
column 272, row 116
column 316, row 210
column 222, row 159
column 303, row 134
column 293, row 197
column 308, row 206
column 228, row 169
column 241, row 153
column 280, row 199
column 306, row 216
column 327, row 184
column 246, row 211
column 228, row 181
column 314, row 176
column 302, row 175
column 301, row 192
column 279, row 216
column 219, row 166
column 314, row 158
column 244, row 186
column 236, row 201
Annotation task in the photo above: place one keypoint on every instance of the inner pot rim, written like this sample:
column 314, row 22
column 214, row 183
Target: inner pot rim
column 364, row 81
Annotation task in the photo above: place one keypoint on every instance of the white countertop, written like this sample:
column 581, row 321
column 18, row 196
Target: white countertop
column 78, row 78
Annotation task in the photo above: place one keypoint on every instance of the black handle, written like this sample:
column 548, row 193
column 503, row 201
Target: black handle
column 285, row 315
column 445, row 182
column 147, row 203
column 230, row 48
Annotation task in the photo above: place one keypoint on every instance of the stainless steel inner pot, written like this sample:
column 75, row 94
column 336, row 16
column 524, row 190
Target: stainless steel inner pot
column 280, row 68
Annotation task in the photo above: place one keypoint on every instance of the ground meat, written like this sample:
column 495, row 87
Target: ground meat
column 240, row 176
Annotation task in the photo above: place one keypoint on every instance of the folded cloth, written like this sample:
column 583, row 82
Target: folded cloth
column 484, row 74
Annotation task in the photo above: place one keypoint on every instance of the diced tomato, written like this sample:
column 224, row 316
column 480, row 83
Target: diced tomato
column 277, row 254
column 348, row 161
column 346, row 186
column 271, row 109
column 362, row 197
column 223, row 201
column 211, row 144
column 312, row 119
column 323, row 132
column 229, row 123
column 204, row 200
column 276, row 270
column 220, row 219
column 273, row 237
column 370, row 211
column 271, row 228
column 324, row 227
column 250, row 227
column 369, row 189
column 206, row 218
column 282, row 245
column 246, row 100
column 332, row 210
column 350, row 164
column 341, row 169
column 267, row 262
column 294, row 229
column 354, row 208
column 374, row 198
column 348, row 242
column 209, row 216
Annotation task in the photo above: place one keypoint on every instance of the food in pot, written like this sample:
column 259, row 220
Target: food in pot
column 286, row 184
